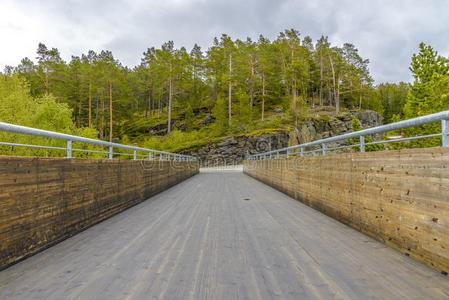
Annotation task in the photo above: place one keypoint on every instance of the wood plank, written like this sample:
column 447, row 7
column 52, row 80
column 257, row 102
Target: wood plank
column 44, row 200
column 399, row 197
column 202, row 240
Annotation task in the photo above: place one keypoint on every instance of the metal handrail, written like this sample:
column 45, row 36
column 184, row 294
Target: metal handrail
column 12, row 128
column 441, row 116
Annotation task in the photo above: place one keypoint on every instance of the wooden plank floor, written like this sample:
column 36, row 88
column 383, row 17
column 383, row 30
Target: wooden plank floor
column 221, row 236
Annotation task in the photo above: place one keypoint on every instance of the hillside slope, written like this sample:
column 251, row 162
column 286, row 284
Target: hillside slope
column 217, row 147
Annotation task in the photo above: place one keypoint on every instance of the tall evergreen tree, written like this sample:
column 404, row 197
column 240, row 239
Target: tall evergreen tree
column 429, row 90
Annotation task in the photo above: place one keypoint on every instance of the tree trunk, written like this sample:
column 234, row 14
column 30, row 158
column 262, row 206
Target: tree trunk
column 102, row 118
column 295, row 108
column 97, row 105
column 360, row 96
column 90, row 105
column 230, row 90
column 336, row 92
column 159, row 106
column 148, row 107
column 110, row 111
column 47, row 90
column 309, row 88
column 263, row 97
column 78, row 119
column 321, row 79
column 251, row 88
column 337, row 97
column 170, row 96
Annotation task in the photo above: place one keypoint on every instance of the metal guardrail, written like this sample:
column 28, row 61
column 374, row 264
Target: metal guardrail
column 150, row 153
column 442, row 117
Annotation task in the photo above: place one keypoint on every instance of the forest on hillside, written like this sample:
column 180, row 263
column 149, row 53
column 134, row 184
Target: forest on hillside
column 236, row 85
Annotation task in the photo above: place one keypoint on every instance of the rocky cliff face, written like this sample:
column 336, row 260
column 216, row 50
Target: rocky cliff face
column 323, row 127
column 232, row 150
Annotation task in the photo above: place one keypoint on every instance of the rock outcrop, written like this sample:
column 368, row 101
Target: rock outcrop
column 232, row 150
column 323, row 127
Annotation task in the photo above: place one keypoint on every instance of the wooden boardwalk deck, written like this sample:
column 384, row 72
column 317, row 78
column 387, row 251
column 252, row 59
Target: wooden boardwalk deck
column 221, row 236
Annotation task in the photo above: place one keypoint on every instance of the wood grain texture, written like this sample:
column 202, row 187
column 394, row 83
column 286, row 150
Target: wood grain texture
column 398, row 197
column 45, row 200
column 202, row 240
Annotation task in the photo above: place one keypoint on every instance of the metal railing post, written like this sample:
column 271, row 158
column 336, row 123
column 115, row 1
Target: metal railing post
column 323, row 149
column 111, row 152
column 301, row 152
column 134, row 155
column 445, row 133
column 150, row 156
column 69, row 149
column 362, row 143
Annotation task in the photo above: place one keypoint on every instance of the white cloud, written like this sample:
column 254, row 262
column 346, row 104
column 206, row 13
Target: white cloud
column 386, row 32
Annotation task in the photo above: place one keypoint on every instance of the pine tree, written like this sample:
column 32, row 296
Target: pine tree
column 429, row 91
column 189, row 117
column 221, row 116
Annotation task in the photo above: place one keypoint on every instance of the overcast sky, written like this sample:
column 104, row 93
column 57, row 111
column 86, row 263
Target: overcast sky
column 387, row 32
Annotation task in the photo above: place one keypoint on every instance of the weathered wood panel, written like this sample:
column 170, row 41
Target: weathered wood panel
column 202, row 240
column 45, row 200
column 398, row 197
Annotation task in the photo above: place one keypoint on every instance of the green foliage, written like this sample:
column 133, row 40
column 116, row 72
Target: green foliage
column 221, row 118
column 51, row 115
column 357, row 126
column 178, row 140
column 428, row 64
column 189, row 117
column 373, row 101
column 289, row 71
column 88, row 133
column 16, row 103
column 244, row 117
column 19, row 107
column 429, row 92
column 393, row 97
